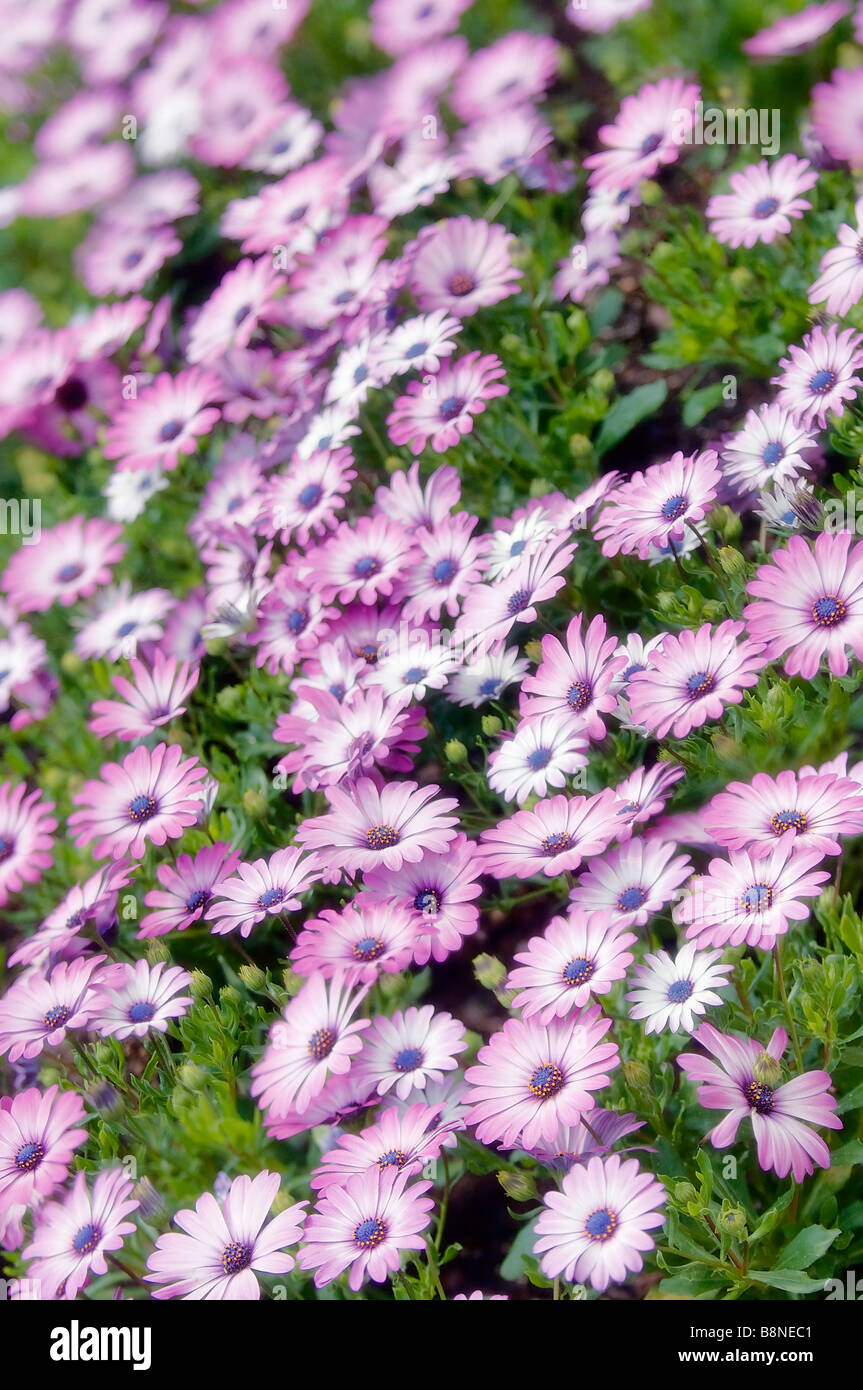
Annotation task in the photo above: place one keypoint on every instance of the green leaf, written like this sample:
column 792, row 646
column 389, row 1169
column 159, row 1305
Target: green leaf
column 807, row 1247
column 627, row 412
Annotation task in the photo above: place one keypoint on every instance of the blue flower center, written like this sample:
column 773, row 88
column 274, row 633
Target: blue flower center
column 408, row 1059
column 368, row 949
column 601, row 1224
column 443, row 571
column 141, row 809
column 578, row 971
column 86, row 1239
column 760, row 1098
column 788, row 820
column 631, row 898
column 29, row 1156
column 758, row 897
column 678, row 991
column 428, row 901
column 141, row 1013
column 823, row 381
column 700, row 683
column 310, row 495
column 321, row 1043
column 538, row 759
column 828, row 610
column 369, row 1233
column 773, row 452
column 546, row 1081
column 765, row 207
column 235, row 1257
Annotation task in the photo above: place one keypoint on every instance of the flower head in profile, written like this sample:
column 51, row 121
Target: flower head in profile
column 365, row 1225
column 316, row 1036
column 73, row 1236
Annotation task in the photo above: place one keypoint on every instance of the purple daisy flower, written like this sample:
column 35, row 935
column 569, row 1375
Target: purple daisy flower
column 152, row 795
column 577, row 956
column 693, row 677
column 38, row 1137
column 365, row 1225
column 369, row 827
column 314, row 1037
column 404, row 1140
column 406, row 1051
column 815, row 809
column 266, row 888
column 810, row 602
column 73, row 1236
column 189, row 888
column 672, row 994
column 556, row 835
column 143, row 997
column 821, row 374
column 576, row 679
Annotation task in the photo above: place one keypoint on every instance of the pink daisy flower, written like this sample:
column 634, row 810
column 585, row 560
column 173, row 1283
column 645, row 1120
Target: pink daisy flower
column 672, row 994
column 314, row 1038
column 225, row 1246
column 189, row 889
column 448, row 562
column 230, row 316
column 795, row 32
column 360, row 562
column 653, row 508
column 166, row 420
column 556, row 835
column 821, row 374
column 152, row 795
column 743, row 1080
column 462, row 265
column 302, row 500
column 632, row 883
column 576, row 679
column 400, row 1139
column 441, row 891
column 531, row 1078
column 837, row 115
column 143, row 997
column 361, row 940
column 749, row 899
column 369, row 827
column 769, row 449
column 809, row 602
column 491, row 610
column 38, row 1137
column 266, row 888
column 152, row 699
column 577, row 956
column 73, row 1236
column 763, row 200
column 365, row 1225
column 596, row 1229
column 693, row 677
column 406, row 1051
column 68, row 562
column 37, row 1012
column 442, row 409
column 648, row 132
column 840, row 283
column 544, row 750
column 815, row 809
column 26, row 824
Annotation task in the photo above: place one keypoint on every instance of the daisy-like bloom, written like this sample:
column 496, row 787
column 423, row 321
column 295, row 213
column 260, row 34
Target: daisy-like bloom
column 744, row 899
column 461, row 266
column 441, row 409
column 152, row 795
column 744, row 1080
column 399, row 26
column 400, row 1139
column 449, row 562
column 365, row 1225
column 840, row 283
column 231, row 315
column 653, row 507
column 360, row 562
column 763, row 200
column 491, row 610
column 821, row 374
column 152, row 699
column 809, row 602
column 487, row 676
column 648, row 132
column 556, row 835
column 26, row 824
column 39, row 1132
column 370, row 827
column 544, row 750
column 361, row 940
column 441, row 891
column 671, row 994
column 406, row 1051
column 575, row 680
column 693, row 677
column 633, row 882
column 225, row 1246
column 815, row 809
column 596, row 1229
column 96, row 899
column 577, row 956
column 795, row 32
column 143, row 997
column 302, row 500
column 266, row 888
column 37, row 1012
column 314, row 1038
column 68, row 562
column 189, row 888
column 167, row 419
column 770, row 447
column 643, row 794
column 532, row 1078
column 420, row 344
column 516, row 68
column 119, row 620
column 72, row 1236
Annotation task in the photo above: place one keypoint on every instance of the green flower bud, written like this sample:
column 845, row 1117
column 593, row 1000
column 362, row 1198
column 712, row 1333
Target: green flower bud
column 456, row 752
column 491, row 725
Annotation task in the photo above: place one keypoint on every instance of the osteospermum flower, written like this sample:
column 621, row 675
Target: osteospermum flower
column 648, row 132
column 654, row 507
column 815, row 809
column 576, row 679
column 577, row 956
column 596, row 1229
column 151, row 700
column 371, row 827
column 152, row 795
column 165, row 420
column 751, row 900
column 555, row 835
column 406, row 1051
column 768, row 449
column 225, row 1246
column 73, row 1236
column 440, row 891
column 37, row 1012
column 462, row 265
column 840, row 283
column 189, row 888
column 532, row 1078
column 365, row 1225
column 441, row 408
column 630, row 884
column 400, row 1139
column 763, row 200
column 26, row 824
column 542, row 753
column 744, row 1080
column 809, row 602
column 671, row 994
column 39, row 1132
column 361, row 940
column 314, row 1038
column 821, row 374
column 68, row 562
column 143, row 997
column 693, row 677
column 266, row 888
